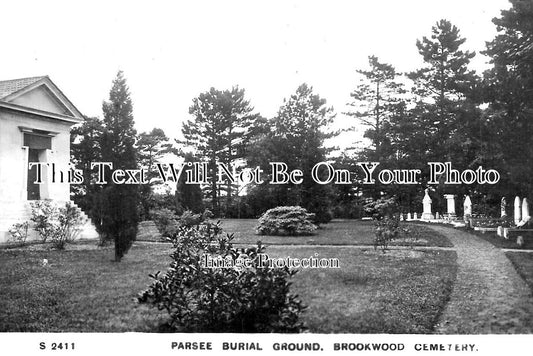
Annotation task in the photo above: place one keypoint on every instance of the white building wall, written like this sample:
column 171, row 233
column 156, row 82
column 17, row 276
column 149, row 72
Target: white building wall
column 13, row 158
column 14, row 206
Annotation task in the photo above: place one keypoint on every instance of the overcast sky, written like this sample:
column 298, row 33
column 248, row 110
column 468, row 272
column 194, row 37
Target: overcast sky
column 171, row 51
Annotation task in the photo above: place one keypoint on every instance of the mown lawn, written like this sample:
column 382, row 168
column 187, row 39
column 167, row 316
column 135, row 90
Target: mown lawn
column 523, row 263
column 401, row 291
column 337, row 232
column 81, row 290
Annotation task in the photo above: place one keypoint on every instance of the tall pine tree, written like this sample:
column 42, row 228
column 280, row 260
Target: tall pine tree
column 509, row 90
column 375, row 100
column 443, row 88
column 444, row 125
column 218, row 131
column 296, row 137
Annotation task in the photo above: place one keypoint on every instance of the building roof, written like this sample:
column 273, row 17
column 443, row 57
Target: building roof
column 10, row 90
column 8, row 87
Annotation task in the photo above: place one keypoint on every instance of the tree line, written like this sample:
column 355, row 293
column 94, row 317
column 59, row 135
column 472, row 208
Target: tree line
column 443, row 111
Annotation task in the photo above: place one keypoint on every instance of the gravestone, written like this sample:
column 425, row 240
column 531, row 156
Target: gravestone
column 450, row 205
column 426, row 202
column 409, row 217
column 415, row 217
column 525, row 210
column 467, row 206
column 503, row 206
column 517, row 212
column 437, row 216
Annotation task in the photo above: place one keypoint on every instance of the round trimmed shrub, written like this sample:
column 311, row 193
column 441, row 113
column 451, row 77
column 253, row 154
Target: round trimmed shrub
column 286, row 221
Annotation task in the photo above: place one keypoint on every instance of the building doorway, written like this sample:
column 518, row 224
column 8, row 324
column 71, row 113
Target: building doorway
column 34, row 190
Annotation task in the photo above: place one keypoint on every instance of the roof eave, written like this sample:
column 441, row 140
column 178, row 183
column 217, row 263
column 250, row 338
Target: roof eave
column 46, row 114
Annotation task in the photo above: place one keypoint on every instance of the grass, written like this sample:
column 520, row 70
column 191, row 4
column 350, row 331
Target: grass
column 81, row 290
column 337, row 232
column 401, row 291
column 523, row 263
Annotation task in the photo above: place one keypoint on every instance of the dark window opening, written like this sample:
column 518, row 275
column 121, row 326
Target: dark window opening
column 37, row 142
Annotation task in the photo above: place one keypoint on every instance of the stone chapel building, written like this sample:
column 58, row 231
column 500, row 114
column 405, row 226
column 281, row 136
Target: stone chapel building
column 35, row 122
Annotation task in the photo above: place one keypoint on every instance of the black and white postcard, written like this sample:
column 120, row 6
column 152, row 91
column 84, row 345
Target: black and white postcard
column 266, row 177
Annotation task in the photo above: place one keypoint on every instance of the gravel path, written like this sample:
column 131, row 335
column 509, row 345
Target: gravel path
column 489, row 297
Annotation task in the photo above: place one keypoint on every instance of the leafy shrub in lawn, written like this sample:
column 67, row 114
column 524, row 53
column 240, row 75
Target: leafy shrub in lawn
column 60, row 224
column 19, row 232
column 286, row 221
column 168, row 223
column 386, row 230
column 188, row 218
column 387, row 221
column 199, row 298
column 43, row 213
column 165, row 220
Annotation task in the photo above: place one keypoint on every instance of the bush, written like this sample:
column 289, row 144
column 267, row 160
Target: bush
column 168, row 223
column 188, row 218
column 19, row 232
column 61, row 224
column 387, row 221
column 199, row 298
column 43, row 213
column 286, row 221
column 386, row 230
column 165, row 220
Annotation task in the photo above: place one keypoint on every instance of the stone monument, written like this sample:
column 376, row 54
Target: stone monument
column 503, row 206
column 517, row 211
column 467, row 207
column 426, row 202
column 450, row 205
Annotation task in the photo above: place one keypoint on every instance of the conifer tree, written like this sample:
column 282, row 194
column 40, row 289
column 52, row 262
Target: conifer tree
column 152, row 147
column 376, row 99
column 443, row 88
column 218, row 131
column 189, row 196
column 509, row 90
column 85, row 150
column 296, row 137
column 119, row 217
